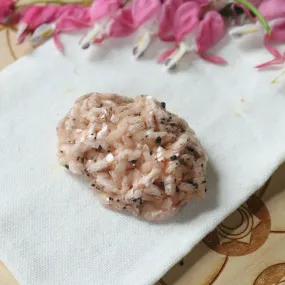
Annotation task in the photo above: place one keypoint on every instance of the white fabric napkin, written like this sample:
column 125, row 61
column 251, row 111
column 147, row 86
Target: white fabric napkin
column 52, row 228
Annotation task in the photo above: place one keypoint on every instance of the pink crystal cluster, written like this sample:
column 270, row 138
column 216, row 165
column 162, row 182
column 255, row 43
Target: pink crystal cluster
column 193, row 26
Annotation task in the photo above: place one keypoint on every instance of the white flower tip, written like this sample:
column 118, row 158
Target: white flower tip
column 238, row 32
column 42, row 32
column 96, row 32
column 88, row 39
column 172, row 61
column 142, row 45
column 21, row 28
column 84, row 44
column 235, row 34
column 170, row 65
column 137, row 53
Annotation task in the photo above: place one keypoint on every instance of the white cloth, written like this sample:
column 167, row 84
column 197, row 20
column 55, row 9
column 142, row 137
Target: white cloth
column 53, row 231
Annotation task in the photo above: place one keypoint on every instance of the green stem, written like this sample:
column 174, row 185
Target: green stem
column 255, row 11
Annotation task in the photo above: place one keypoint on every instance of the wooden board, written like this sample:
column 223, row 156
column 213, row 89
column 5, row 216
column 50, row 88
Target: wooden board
column 248, row 248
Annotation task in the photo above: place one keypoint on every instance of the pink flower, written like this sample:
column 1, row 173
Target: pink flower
column 167, row 17
column 256, row 3
column 123, row 24
column 101, row 13
column 7, row 8
column 72, row 19
column 33, row 17
column 211, row 31
column 194, row 35
column 187, row 18
column 272, row 9
column 277, row 36
column 145, row 14
column 166, row 21
column 158, row 20
column 203, row 3
column 103, row 8
column 144, row 10
column 67, row 18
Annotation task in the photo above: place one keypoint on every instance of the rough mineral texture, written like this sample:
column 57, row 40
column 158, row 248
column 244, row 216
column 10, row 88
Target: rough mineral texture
column 137, row 156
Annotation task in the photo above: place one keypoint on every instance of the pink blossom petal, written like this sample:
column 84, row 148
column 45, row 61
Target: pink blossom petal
column 57, row 40
column 213, row 59
column 103, row 8
column 167, row 38
column 7, row 8
column 278, row 31
column 272, row 9
column 143, row 10
column 270, row 63
column 166, row 54
column 76, row 12
column 211, row 30
column 270, row 48
column 277, row 35
column 256, row 3
column 34, row 16
column 100, row 40
column 202, row 3
column 66, row 8
column 186, row 19
column 122, row 24
column 66, row 26
column 48, row 15
column 21, row 38
column 166, row 21
column 69, row 24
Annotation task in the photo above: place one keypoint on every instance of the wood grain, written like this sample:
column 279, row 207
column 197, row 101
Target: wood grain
column 6, row 278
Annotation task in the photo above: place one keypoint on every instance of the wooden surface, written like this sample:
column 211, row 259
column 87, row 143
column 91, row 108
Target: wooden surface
column 248, row 248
